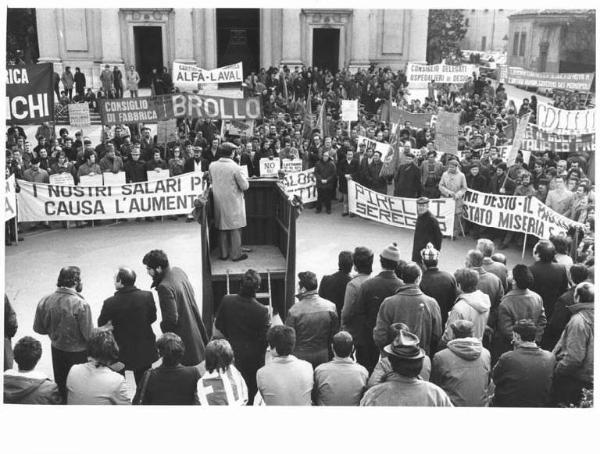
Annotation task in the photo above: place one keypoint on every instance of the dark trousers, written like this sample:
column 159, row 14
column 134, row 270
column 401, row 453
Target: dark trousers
column 567, row 390
column 367, row 356
column 61, row 365
column 69, row 92
column 324, row 196
column 249, row 375
column 118, row 91
column 138, row 374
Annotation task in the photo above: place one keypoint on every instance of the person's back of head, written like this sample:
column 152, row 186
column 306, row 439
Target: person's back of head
column 411, row 273
column 343, row 344
column 250, row 283
column 390, row 257
column 430, row 256
column 126, row 276
column 545, row 251
column 170, row 348
column 561, row 243
column 474, row 258
column 282, row 339
column 363, row 260
column 345, row 262
column 307, row 280
column 522, row 276
column 526, row 330
column 102, row 347
column 27, row 353
column 584, row 293
column 156, row 258
column 486, row 247
column 579, row 273
column 467, row 279
column 462, row 328
column 499, row 257
column 218, row 355
column 69, row 277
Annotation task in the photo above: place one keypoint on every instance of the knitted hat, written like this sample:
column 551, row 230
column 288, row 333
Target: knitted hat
column 430, row 253
column 391, row 252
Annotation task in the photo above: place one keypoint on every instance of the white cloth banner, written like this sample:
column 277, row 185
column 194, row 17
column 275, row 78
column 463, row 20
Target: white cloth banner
column 397, row 211
column 10, row 197
column 516, row 213
column 419, row 75
column 167, row 197
column 189, row 76
column 565, row 121
column 371, row 144
column 302, row 184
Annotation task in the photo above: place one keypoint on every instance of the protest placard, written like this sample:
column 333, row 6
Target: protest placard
column 79, row 114
column 291, row 165
column 374, row 145
column 519, row 135
column 397, row 211
column 167, row 197
column 419, row 75
column 349, row 110
column 515, row 75
column 189, row 77
column 113, row 179
column 238, row 127
column 269, row 167
column 446, row 132
column 166, row 131
column 157, row 174
column 565, row 121
column 62, row 179
column 10, row 199
column 29, row 93
column 302, row 184
column 91, row 180
column 516, row 213
column 537, row 140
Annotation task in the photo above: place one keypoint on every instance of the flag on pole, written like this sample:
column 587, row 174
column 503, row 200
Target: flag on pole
column 307, row 126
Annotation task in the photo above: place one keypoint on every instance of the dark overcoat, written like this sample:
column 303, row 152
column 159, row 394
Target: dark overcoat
column 427, row 230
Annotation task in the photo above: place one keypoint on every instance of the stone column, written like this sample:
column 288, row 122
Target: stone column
column 111, row 36
column 360, row 39
column 48, row 38
column 417, row 47
column 291, row 38
column 184, row 36
column 210, row 38
column 266, row 38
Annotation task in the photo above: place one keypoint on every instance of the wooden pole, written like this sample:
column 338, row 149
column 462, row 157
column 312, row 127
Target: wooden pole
column 524, row 246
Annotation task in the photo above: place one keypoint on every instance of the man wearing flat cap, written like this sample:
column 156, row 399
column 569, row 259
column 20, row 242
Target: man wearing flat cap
column 427, row 230
column 403, row 387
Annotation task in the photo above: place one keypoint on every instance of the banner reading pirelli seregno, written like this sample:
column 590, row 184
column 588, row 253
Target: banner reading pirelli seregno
column 516, row 213
column 170, row 196
column 397, row 211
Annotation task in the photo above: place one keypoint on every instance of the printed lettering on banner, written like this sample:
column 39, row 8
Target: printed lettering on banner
column 166, row 197
column 91, row 180
column 157, row 174
column 538, row 140
column 10, row 199
column 565, row 121
column 374, row 145
column 133, row 110
column 269, row 167
column 29, row 93
column 516, row 75
column 419, row 75
column 291, row 165
column 191, row 76
column 515, row 213
column 79, row 114
column 302, row 184
column 397, row 211
column 349, row 110
column 62, row 179
column 113, row 179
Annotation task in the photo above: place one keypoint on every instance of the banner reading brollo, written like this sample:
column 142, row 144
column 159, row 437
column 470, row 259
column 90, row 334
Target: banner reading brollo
column 167, row 197
column 516, row 213
column 29, row 94
column 397, row 211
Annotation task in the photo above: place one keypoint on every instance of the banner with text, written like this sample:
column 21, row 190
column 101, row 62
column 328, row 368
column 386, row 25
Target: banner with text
column 419, row 75
column 516, row 213
column 188, row 77
column 515, row 75
column 79, row 114
column 10, row 199
column 537, row 140
column 417, row 120
column 167, row 197
column 565, row 121
column 397, row 211
column 291, row 165
column 302, row 184
column 128, row 110
column 374, row 145
column 29, row 94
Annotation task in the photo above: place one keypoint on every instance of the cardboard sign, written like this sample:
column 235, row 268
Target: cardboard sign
column 349, row 110
column 167, row 131
column 10, row 199
column 565, row 121
column 397, row 211
column 167, row 197
column 291, row 165
column 157, row 174
column 113, row 179
column 516, row 213
column 446, row 132
column 79, row 114
column 269, row 167
column 62, row 179
column 302, row 184
column 91, row 180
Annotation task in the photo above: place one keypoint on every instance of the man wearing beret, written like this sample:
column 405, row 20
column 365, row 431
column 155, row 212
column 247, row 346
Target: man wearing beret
column 403, row 387
column 427, row 230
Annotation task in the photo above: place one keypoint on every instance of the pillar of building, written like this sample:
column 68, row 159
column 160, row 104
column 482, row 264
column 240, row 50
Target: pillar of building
column 184, row 36
column 47, row 33
column 210, row 38
column 360, row 39
column 417, row 50
column 266, row 38
column 111, row 36
column 291, row 38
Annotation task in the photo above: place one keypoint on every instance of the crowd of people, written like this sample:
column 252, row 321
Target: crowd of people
column 413, row 335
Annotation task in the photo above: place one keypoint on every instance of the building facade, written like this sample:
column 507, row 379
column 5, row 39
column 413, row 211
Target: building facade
column 209, row 38
column 487, row 29
column 555, row 41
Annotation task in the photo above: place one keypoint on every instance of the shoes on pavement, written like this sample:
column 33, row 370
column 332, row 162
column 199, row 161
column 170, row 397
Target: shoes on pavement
column 241, row 257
